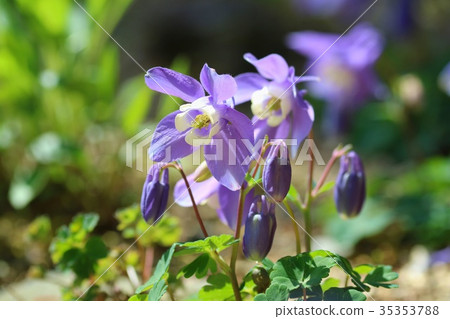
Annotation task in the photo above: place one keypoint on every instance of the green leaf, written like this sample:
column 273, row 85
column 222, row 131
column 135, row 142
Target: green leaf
column 160, row 270
column 219, row 288
column 326, row 187
column 300, row 271
column 83, row 262
column 330, row 283
column 267, row 263
column 199, row 267
column 40, row 229
column 96, row 248
column 158, row 290
column 166, row 232
column 312, row 294
column 343, row 294
column 275, row 292
column 364, row 269
column 343, row 264
column 141, row 297
column 85, row 222
column 207, row 245
column 380, row 276
column 293, row 195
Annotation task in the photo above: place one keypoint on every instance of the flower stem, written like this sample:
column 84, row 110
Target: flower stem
column 298, row 244
column 308, row 198
column 307, row 215
column 194, row 205
column 237, row 235
column 337, row 153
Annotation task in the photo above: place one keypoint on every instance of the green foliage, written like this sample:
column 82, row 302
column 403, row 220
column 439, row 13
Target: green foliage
column 219, row 289
column 72, row 236
column 276, row 292
column 293, row 195
column 74, row 249
column 199, row 267
column 373, row 220
column 40, row 229
column 343, row 294
column 304, row 274
column 164, row 233
column 326, row 187
column 379, row 276
column 330, row 283
column 207, row 245
column 160, row 273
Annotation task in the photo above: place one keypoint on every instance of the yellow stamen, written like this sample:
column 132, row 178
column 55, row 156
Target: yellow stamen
column 201, row 121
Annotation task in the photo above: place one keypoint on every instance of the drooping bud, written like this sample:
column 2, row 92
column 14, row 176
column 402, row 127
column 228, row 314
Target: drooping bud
column 259, row 229
column 277, row 172
column 155, row 193
column 350, row 189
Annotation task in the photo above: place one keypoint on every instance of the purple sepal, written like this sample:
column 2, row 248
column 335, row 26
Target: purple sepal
column 168, row 144
column 173, row 83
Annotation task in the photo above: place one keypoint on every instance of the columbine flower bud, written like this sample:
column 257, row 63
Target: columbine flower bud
column 155, row 193
column 259, row 229
column 350, row 189
column 277, row 172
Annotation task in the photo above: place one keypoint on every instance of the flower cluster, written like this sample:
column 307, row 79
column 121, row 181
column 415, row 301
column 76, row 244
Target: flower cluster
column 246, row 170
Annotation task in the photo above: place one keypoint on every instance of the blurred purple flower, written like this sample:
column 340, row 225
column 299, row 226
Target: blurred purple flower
column 346, row 70
column 155, row 193
column 441, row 256
column 324, row 8
column 210, row 121
column 444, row 79
column 210, row 191
column 279, row 109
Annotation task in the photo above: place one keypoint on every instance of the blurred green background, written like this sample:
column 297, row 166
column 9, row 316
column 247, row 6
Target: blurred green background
column 70, row 98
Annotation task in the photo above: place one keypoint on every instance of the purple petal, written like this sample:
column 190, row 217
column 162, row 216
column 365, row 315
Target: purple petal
column 362, row 46
column 302, row 120
column 200, row 190
column 239, row 121
column 262, row 129
column 220, row 87
column 173, row 83
column 247, row 84
column 168, row 144
column 272, row 67
column 228, row 201
column 229, row 153
column 310, row 43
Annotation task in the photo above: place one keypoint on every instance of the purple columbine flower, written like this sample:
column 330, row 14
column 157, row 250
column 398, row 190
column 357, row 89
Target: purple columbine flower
column 211, row 192
column 350, row 188
column 279, row 109
column 259, row 229
column 277, row 172
column 210, row 121
column 345, row 67
column 155, row 193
